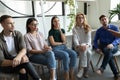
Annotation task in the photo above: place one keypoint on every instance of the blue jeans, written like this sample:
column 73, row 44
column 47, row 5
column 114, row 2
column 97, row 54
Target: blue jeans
column 47, row 58
column 108, row 58
column 68, row 56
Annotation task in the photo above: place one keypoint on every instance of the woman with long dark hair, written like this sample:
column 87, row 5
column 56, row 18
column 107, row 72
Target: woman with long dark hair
column 57, row 40
column 38, row 50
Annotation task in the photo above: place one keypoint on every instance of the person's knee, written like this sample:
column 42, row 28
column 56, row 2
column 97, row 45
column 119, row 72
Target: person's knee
column 22, row 71
column 107, row 50
column 74, row 54
column 66, row 55
column 50, row 53
column 23, row 74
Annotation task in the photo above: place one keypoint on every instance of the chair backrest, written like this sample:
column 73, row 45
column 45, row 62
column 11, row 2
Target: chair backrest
column 92, row 38
column 117, row 53
column 93, row 35
column 48, row 41
column 72, row 45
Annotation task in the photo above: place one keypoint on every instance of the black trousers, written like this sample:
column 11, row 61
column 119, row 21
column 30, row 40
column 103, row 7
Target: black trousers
column 27, row 66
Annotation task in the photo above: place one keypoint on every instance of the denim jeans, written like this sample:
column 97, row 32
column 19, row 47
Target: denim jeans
column 108, row 58
column 47, row 58
column 28, row 67
column 68, row 56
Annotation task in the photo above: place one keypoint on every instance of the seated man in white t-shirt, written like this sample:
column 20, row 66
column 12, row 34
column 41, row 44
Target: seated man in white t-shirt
column 13, row 57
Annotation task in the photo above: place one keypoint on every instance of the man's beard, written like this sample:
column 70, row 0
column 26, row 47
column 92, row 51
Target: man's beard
column 105, row 24
column 11, row 30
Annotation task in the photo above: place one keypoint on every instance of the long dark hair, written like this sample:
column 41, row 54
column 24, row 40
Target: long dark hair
column 28, row 22
column 52, row 25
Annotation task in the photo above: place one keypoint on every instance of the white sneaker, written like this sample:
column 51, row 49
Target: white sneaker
column 80, row 73
column 54, row 78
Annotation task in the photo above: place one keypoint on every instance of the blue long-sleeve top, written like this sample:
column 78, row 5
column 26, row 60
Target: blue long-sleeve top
column 105, row 37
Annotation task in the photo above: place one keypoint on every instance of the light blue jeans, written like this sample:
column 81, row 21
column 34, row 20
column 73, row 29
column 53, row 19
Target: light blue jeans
column 68, row 56
column 47, row 58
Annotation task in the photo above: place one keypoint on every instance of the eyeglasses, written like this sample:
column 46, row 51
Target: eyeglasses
column 34, row 24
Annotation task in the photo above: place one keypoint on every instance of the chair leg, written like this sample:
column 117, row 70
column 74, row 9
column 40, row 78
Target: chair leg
column 40, row 68
column 99, row 59
column 3, row 78
column 92, row 66
column 43, row 72
column 79, row 65
column 16, row 77
column 115, row 59
column 59, row 65
column 13, row 78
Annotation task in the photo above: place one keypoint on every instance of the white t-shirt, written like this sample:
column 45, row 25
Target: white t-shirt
column 10, row 45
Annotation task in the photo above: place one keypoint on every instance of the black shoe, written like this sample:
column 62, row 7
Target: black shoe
column 23, row 76
column 85, row 74
column 117, row 77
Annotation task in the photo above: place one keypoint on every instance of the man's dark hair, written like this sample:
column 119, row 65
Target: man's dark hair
column 101, row 17
column 3, row 17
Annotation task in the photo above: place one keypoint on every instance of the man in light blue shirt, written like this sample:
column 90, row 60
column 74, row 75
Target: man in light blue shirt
column 108, row 44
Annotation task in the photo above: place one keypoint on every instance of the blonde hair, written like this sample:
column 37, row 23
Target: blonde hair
column 85, row 24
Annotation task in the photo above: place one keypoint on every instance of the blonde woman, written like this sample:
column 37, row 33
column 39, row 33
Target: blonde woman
column 82, row 43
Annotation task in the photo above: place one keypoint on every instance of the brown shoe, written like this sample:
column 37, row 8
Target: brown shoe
column 85, row 74
column 117, row 77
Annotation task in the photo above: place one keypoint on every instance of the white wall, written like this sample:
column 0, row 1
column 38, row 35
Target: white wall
column 95, row 9
column 20, row 24
column 98, row 8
